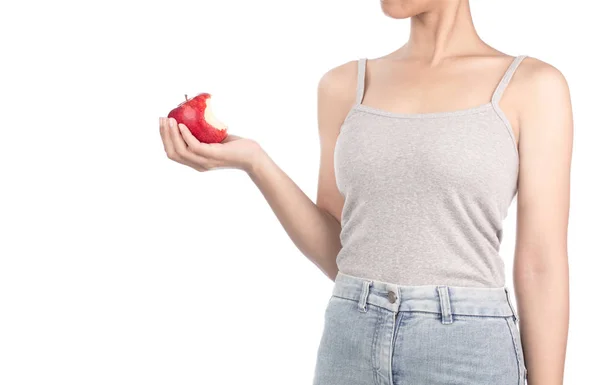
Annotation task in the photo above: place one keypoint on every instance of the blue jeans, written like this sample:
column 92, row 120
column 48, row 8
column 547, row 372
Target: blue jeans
column 380, row 333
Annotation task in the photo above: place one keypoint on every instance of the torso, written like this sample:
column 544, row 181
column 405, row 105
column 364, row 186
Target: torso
column 428, row 166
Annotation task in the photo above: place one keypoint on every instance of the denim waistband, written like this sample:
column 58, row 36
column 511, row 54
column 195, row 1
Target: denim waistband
column 447, row 300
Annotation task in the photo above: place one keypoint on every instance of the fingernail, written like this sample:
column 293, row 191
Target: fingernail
column 172, row 121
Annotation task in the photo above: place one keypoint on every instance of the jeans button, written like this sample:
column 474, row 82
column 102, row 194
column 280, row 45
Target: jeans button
column 392, row 296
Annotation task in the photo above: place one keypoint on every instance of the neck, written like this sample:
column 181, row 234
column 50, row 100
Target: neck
column 442, row 32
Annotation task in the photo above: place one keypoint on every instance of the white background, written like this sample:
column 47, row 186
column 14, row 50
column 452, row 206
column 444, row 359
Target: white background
column 119, row 266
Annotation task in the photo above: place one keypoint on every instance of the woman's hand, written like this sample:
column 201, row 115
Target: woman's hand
column 182, row 147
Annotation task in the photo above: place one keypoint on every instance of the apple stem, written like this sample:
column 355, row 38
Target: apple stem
column 186, row 99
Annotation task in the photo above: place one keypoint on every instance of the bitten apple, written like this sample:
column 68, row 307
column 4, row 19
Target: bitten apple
column 196, row 114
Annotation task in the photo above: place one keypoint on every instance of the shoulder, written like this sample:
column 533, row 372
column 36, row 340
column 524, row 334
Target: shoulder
column 541, row 83
column 544, row 100
column 337, row 95
column 339, row 83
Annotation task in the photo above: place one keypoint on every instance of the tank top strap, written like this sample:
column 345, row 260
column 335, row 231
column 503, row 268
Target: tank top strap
column 360, row 85
column 506, row 78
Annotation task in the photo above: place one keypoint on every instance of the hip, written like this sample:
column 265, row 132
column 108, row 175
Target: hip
column 382, row 333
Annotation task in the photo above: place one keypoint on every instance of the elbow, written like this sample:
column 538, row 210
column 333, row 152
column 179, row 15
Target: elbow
column 541, row 266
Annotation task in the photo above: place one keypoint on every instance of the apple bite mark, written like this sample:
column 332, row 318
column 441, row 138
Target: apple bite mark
column 210, row 117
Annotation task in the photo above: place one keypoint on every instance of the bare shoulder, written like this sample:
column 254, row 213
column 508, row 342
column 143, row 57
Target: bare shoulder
column 541, row 84
column 336, row 94
column 544, row 108
column 339, row 83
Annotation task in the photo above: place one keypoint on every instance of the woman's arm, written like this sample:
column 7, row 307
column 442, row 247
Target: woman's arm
column 541, row 273
column 314, row 228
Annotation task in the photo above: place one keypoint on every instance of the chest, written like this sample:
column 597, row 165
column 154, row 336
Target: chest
column 414, row 89
column 463, row 152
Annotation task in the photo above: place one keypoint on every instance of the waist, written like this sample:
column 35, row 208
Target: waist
column 477, row 301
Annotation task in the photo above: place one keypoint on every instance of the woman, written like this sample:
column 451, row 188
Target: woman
column 422, row 151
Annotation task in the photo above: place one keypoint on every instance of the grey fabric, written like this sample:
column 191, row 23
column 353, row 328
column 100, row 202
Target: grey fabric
column 426, row 194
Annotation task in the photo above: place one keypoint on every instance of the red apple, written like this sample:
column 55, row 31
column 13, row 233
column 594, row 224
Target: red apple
column 196, row 114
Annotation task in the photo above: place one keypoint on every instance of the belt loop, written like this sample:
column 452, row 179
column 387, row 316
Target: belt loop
column 362, row 302
column 510, row 304
column 445, row 304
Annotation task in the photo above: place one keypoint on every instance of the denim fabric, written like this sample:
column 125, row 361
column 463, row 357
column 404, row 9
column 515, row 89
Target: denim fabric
column 380, row 333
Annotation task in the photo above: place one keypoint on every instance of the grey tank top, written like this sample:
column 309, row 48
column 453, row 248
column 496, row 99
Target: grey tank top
column 426, row 193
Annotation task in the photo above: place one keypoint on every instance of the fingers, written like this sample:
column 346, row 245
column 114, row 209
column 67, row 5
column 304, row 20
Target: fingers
column 166, row 138
column 166, row 133
column 202, row 149
column 179, row 145
column 182, row 147
column 178, row 149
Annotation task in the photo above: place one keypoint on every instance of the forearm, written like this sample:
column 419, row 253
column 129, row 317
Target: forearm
column 543, row 306
column 314, row 231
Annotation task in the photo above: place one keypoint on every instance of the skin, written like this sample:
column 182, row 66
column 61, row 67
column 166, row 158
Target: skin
column 443, row 57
